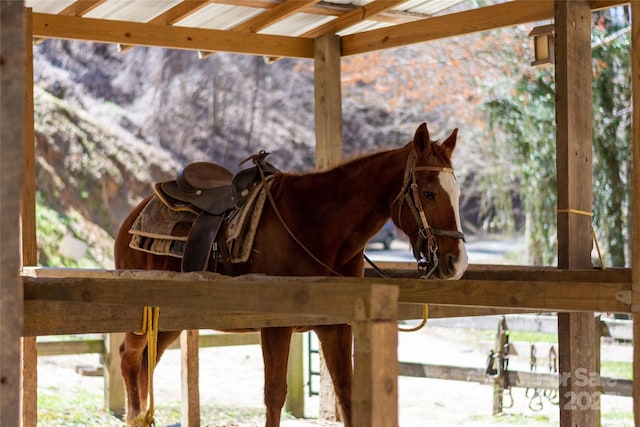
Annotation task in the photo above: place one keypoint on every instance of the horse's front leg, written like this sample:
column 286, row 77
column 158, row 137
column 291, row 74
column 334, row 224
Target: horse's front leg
column 131, row 355
column 134, row 365
column 275, row 353
column 336, row 349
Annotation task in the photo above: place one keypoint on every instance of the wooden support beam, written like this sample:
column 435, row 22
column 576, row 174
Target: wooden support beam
column 190, row 386
column 273, row 15
column 294, row 404
column 491, row 273
column 12, row 88
column 142, row 34
column 114, row 388
column 635, row 203
column 268, row 18
column 83, row 305
column 28, row 229
column 171, row 16
column 375, row 377
column 455, row 24
column 576, row 331
column 368, row 11
column 80, row 7
column 328, row 102
column 522, row 379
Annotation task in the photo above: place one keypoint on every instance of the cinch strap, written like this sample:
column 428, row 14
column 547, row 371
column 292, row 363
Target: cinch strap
column 150, row 316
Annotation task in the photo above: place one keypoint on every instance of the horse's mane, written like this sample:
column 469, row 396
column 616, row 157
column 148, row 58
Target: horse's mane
column 354, row 160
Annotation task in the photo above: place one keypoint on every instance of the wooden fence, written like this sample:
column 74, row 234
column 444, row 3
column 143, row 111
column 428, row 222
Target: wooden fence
column 502, row 379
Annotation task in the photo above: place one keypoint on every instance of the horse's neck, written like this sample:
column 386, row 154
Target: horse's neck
column 359, row 193
column 371, row 182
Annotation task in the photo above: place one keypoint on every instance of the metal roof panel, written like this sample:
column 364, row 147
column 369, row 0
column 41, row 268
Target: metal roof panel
column 134, row 11
column 297, row 24
column 51, row 6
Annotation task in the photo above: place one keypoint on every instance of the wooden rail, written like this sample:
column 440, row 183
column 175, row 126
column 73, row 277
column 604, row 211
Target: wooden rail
column 111, row 301
column 85, row 301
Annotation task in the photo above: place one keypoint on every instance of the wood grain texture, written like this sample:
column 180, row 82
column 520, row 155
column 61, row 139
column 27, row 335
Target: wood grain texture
column 12, row 90
column 141, row 34
column 573, row 73
column 328, row 102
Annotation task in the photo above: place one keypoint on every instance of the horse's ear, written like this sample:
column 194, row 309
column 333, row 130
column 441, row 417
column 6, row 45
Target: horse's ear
column 421, row 141
column 449, row 144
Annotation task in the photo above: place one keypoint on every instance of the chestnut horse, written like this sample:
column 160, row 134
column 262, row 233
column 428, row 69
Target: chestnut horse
column 332, row 214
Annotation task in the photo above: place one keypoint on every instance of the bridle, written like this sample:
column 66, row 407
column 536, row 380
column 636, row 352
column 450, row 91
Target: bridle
column 410, row 194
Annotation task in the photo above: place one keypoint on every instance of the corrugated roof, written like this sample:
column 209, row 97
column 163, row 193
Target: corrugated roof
column 276, row 28
column 227, row 14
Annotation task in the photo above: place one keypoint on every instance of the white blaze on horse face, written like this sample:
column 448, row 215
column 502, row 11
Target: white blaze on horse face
column 449, row 183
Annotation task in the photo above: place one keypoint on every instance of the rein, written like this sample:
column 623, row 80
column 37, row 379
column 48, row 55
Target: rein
column 410, row 194
column 259, row 163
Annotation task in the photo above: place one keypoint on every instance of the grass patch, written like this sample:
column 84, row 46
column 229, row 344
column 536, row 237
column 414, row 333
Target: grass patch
column 617, row 370
column 82, row 409
column 521, row 336
column 56, row 409
column 522, row 419
column 617, row 419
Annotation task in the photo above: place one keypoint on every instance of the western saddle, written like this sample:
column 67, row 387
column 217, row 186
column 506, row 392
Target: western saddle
column 210, row 191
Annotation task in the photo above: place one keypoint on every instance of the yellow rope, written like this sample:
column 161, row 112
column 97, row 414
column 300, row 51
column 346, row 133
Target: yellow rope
column 425, row 318
column 593, row 230
column 150, row 316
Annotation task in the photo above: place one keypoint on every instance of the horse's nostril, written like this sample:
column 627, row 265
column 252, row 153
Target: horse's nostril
column 451, row 263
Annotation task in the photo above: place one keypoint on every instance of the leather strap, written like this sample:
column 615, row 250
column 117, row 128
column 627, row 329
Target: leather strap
column 197, row 249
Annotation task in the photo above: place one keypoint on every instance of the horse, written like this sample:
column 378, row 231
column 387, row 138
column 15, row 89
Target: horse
column 318, row 224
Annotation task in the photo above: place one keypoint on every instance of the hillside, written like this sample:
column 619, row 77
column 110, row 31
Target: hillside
column 110, row 124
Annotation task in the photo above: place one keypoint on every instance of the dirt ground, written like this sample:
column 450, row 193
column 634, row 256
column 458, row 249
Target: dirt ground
column 231, row 382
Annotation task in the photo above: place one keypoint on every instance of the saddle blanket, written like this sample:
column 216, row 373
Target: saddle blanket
column 243, row 224
column 162, row 231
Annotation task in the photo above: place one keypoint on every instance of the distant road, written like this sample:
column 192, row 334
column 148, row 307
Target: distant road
column 488, row 251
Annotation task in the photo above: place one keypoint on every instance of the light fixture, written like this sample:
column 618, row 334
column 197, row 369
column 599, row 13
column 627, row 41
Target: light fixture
column 543, row 44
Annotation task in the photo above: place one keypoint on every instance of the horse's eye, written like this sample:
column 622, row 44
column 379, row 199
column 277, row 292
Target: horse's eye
column 429, row 195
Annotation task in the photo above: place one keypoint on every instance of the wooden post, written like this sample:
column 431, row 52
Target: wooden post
column 328, row 102
column 28, row 229
column 189, row 347
column 375, row 376
column 114, row 390
column 576, row 331
column 295, row 377
column 499, row 380
column 328, row 117
column 12, row 71
column 635, row 204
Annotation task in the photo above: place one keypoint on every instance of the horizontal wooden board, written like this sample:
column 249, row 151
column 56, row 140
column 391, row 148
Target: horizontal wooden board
column 83, row 301
column 522, row 379
column 540, row 296
column 456, row 24
column 166, row 36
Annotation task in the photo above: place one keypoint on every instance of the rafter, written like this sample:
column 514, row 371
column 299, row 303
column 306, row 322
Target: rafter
column 474, row 20
column 80, row 7
column 77, row 8
column 143, row 34
column 273, row 15
column 173, row 15
column 353, row 17
column 179, row 11
column 268, row 18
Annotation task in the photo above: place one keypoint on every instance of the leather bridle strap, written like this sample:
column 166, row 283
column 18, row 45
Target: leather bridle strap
column 410, row 193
